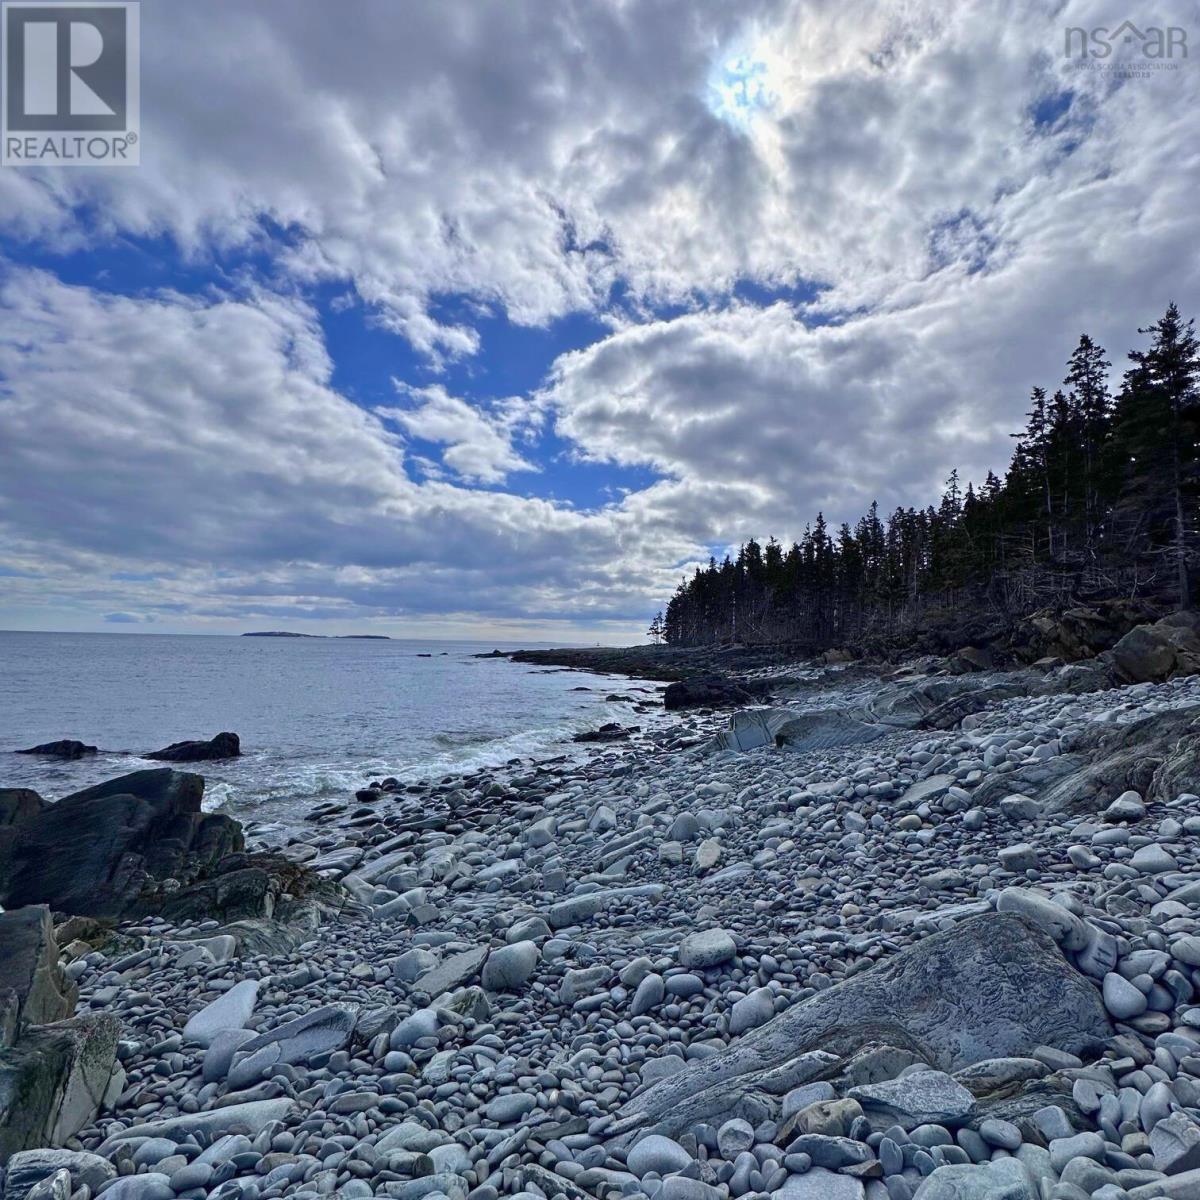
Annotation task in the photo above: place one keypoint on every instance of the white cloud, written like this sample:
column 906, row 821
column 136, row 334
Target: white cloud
column 183, row 457
column 534, row 162
column 478, row 445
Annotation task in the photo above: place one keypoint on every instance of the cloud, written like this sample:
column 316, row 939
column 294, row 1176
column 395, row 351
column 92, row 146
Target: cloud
column 169, row 454
column 478, row 445
column 956, row 198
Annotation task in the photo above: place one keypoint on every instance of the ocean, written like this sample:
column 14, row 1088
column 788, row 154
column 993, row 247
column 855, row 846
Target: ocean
column 317, row 717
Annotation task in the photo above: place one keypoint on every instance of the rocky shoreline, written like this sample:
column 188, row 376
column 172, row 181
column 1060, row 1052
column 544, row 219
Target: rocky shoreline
column 925, row 932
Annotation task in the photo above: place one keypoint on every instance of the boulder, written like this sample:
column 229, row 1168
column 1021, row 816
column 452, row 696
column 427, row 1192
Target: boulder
column 30, row 1167
column 609, row 732
column 452, row 972
column 993, row 986
column 709, row 692
column 230, row 1010
column 707, row 948
column 53, row 1081
column 94, row 851
column 29, row 968
column 319, row 1032
column 1164, row 650
column 1158, row 757
column 509, row 967
column 918, row 1098
column 224, row 745
column 1003, row 1179
column 66, row 748
column 252, row 1116
column 786, row 728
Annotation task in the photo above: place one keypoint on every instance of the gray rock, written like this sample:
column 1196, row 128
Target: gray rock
column 751, row 1011
column 1128, row 806
column 799, row 732
column 510, row 967
column 1153, row 860
column 1019, row 858
column 254, row 1115
column 1079, row 1145
column 153, row 1185
column 29, row 968
column 707, row 948
column 1121, row 998
column 1175, row 1144
column 820, row 1184
column 231, row 1010
column 54, row 1080
column 991, row 987
column 918, row 1098
column 657, row 1154
column 29, row 1167
column 649, row 995
column 319, row 1032
column 1003, row 1179
column 219, row 1056
column 412, row 964
column 503, row 1110
column 453, row 972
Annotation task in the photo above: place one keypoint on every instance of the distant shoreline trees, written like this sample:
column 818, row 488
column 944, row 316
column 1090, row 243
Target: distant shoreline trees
column 1101, row 499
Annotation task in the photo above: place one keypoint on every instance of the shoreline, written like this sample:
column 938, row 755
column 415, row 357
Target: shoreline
column 526, row 978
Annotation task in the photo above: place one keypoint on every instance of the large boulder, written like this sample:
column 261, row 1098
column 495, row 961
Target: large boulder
column 711, row 692
column 94, row 851
column 797, row 731
column 224, row 745
column 994, row 986
column 54, row 1080
column 30, row 1167
column 29, row 968
column 66, row 748
column 1153, row 653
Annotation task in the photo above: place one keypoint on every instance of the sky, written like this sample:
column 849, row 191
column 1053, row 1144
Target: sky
column 493, row 319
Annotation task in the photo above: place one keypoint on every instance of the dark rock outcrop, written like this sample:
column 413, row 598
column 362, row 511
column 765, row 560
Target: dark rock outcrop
column 609, row 732
column 224, row 745
column 67, row 748
column 94, row 852
column 18, row 805
column 1164, row 650
column 993, row 986
column 265, row 901
column 711, row 692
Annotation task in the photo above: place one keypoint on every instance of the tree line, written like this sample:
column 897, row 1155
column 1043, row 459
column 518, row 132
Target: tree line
column 1100, row 500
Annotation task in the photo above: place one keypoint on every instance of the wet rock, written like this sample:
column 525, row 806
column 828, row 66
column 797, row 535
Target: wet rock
column 223, row 745
column 94, row 851
column 66, row 748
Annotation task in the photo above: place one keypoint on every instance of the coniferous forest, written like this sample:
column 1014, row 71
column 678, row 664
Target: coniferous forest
column 1099, row 501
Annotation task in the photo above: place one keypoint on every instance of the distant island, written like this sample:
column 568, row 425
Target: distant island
column 282, row 633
